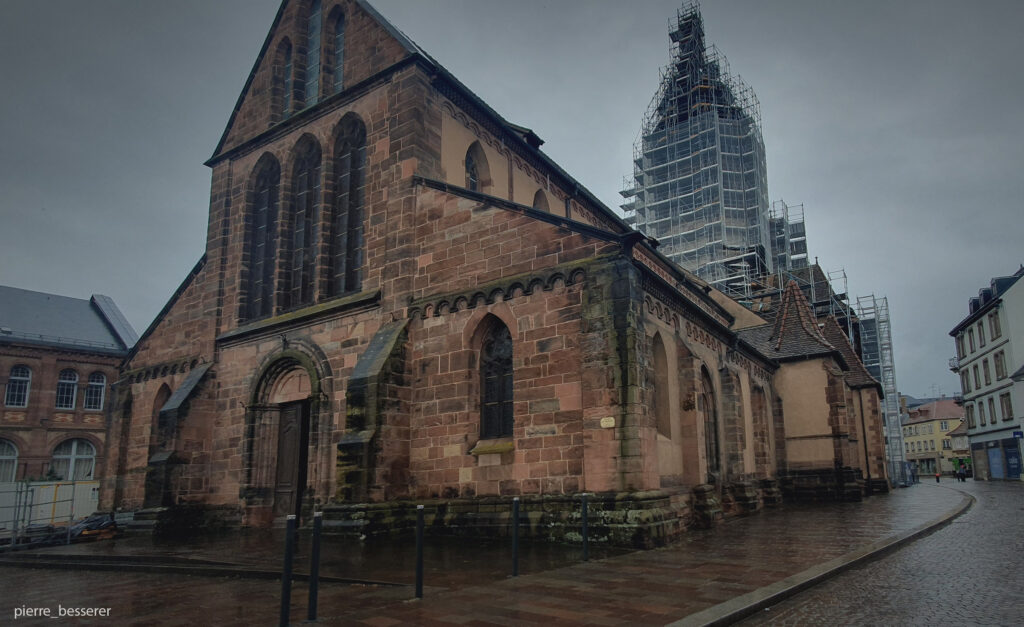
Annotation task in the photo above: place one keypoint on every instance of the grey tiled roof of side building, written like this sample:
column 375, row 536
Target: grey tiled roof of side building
column 53, row 320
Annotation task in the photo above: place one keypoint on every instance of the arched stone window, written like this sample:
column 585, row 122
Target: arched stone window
column 478, row 174
column 496, row 381
column 662, row 404
column 261, row 249
column 95, row 391
column 18, row 385
column 313, row 23
column 540, row 201
column 67, row 389
column 709, row 408
column 164, row 427
column 74, row 460
column 305, row 214
column 346, row 243
column 762, row 434
column 283, row 82
column 8, row 461
column 337, row 38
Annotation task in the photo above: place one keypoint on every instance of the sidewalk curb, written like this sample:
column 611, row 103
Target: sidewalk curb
column 745, row 605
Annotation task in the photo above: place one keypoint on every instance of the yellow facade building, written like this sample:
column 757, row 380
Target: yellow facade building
column 927, row 437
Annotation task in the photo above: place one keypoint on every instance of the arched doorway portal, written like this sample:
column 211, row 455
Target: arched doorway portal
column 291, row 396
column 280, row 423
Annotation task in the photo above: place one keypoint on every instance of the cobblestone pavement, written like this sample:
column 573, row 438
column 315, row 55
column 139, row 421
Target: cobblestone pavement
column 970, row 572
column 643, row 588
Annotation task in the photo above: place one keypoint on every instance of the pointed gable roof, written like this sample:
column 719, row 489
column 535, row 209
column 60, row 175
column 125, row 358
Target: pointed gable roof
column 523, row 139
column 795, row 325
column 403, row 41
column 794, row 335
column 857, row 375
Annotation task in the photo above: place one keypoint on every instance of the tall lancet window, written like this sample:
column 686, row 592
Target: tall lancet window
column 496, row 383
column 472, row 173
column 305, row 216
column 313, row 53
column 339, row 52
column 347, row 222
column 262, row 248
column 288, row 85
column 710, row 409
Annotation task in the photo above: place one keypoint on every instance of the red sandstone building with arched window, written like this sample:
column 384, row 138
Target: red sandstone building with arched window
column 59, row 360
column 404, row 300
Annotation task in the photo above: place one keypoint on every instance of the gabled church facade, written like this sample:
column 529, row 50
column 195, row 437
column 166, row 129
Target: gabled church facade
column 402, row 300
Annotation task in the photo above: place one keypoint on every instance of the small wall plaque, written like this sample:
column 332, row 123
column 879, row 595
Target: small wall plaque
column 608, row 422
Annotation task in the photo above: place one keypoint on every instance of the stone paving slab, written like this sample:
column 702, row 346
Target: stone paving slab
column 719, row 568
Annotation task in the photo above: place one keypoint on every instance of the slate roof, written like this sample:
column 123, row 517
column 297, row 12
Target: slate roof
column 993, row 296
column 51, row 320
column 794, row 334
column 182, row 394
column 857, row 375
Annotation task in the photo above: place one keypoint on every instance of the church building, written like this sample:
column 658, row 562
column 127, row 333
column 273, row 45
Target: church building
column 404, row 300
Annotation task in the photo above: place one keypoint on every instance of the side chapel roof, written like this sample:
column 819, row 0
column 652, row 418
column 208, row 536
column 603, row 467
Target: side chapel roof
column 794, row 335
column 857, row 376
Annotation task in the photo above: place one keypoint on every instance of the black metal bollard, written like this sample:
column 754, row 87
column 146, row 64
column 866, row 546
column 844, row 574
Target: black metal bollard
column 515, row 537
column 419, row 551
column 314, row 566
column 286, row 574
column 585, row 531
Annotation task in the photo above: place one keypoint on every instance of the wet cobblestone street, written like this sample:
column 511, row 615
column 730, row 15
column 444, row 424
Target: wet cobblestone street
column 970, row 572
column 469, row 586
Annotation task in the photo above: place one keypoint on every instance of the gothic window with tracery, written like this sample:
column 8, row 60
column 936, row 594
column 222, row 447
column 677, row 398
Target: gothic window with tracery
column 306, row 204
column 262, row 249
column 346, row 244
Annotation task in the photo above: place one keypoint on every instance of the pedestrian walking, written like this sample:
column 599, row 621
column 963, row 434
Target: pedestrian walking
column 937, row 476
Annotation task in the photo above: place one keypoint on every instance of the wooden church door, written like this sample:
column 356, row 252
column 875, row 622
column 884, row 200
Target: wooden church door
column 292, row 458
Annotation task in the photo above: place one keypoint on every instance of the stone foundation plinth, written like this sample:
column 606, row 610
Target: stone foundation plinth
column 707, row 510
column 639, row 520
column 816, row 485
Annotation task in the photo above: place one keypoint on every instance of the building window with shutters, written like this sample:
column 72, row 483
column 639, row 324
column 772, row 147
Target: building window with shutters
column 1006, row 405
column 993, row 325
column 1000, row 361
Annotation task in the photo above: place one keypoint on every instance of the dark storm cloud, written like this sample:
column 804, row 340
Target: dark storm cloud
column 897, row 125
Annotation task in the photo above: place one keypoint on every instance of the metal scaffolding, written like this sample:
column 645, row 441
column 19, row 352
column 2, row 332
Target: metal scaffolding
column 877, row 355
column 699, row 183
column 789, row 236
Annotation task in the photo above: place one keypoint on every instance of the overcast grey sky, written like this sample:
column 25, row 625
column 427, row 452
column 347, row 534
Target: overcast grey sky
column 898, row 125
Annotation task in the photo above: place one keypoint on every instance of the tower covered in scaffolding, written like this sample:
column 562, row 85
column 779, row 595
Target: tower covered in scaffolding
column 699, row 183
column 875, row 341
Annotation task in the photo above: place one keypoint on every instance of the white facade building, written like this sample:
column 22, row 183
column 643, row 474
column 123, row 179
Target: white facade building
column 990, row 361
